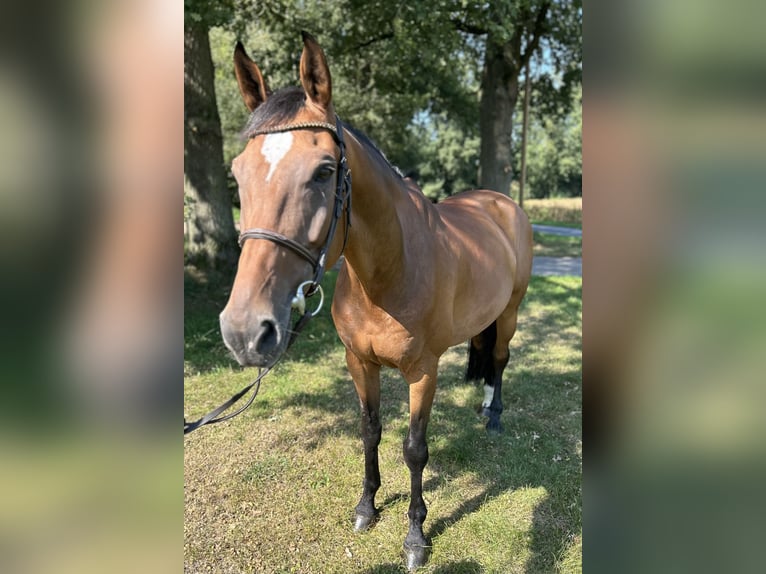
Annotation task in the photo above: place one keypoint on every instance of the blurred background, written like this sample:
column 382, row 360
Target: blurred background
column 674, row 329
column 90, row 246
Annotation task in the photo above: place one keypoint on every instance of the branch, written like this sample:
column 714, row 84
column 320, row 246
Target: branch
column 536, row 33
column 467, row 28
column 386, row 36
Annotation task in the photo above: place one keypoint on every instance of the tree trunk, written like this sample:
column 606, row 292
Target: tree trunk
column 499, row 92
column 212, row 238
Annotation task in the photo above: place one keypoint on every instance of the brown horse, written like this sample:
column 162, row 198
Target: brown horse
column 417, row 278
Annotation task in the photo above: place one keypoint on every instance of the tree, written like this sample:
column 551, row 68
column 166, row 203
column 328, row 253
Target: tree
column 513, row 31
column 426, row 80
column 445, row 156
column 406, row 80
column 555, row 151
column 211, row 232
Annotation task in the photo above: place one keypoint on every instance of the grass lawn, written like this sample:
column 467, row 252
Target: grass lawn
column 274, row 489
column 549, row 245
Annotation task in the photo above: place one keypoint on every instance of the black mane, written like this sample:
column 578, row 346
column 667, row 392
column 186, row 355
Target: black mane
column 279, row 107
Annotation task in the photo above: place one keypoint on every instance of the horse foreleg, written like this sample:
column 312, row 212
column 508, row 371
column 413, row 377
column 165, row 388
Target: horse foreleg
column 422, row 388
column 366, row 378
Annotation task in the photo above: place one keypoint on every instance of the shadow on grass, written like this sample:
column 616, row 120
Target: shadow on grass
column 537, row 403
column 205, row 296
column 548, row 245
column 461, row 567
column 506, row 463
column 539, row 409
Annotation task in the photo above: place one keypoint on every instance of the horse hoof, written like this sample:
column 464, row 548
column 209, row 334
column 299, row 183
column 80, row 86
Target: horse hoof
column 362, row 523
column 494, row 426
column 485, row 412
column 415, row 557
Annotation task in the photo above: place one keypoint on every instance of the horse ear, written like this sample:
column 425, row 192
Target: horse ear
column 315, row 74
column 252, row 86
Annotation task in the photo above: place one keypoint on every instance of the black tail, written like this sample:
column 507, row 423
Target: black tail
column 480, row 361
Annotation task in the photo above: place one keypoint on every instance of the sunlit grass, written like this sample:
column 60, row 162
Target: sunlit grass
column 274, row 489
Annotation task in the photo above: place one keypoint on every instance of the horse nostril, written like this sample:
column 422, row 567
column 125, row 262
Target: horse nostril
column 266, row 339
column 231, row 337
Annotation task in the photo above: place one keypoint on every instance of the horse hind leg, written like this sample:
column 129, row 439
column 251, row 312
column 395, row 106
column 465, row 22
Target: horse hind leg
column 481, row 363
column 506, row 328
column 488, row 357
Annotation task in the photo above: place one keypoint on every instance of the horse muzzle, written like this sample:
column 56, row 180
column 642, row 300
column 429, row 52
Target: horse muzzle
column 259, row 343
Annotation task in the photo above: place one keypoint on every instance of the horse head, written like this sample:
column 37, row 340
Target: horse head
column 289, row 175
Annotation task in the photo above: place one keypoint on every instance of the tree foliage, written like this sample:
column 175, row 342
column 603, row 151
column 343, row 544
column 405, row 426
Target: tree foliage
column 554, row 152
column 408, row 74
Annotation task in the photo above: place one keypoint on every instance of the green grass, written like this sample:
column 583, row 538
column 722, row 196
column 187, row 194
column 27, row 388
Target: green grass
column 549, row 245
column 274, row 489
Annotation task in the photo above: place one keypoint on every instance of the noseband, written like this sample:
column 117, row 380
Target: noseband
column 318, row 263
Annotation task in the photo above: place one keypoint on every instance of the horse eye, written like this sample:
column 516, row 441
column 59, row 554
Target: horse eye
column 324, row 173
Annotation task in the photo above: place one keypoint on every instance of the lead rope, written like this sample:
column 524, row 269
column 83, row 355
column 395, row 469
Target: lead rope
column 210, row 418
column 213, row 416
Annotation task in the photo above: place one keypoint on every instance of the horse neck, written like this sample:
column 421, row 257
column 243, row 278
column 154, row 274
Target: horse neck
column 375, row 250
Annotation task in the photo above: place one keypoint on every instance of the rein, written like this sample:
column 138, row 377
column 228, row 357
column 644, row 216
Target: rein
column 342, row 206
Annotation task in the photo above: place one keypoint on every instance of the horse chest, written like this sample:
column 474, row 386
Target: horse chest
column 379, row 338
column 397, row 352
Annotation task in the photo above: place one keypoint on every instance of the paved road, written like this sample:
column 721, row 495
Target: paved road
column 568, row 231
column 557, row 265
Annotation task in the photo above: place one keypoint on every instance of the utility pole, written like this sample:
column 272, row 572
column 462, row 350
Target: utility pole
column 524, row 128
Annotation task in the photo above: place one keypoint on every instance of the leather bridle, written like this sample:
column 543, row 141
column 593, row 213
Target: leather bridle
column 342, row 199
column 342, row 206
